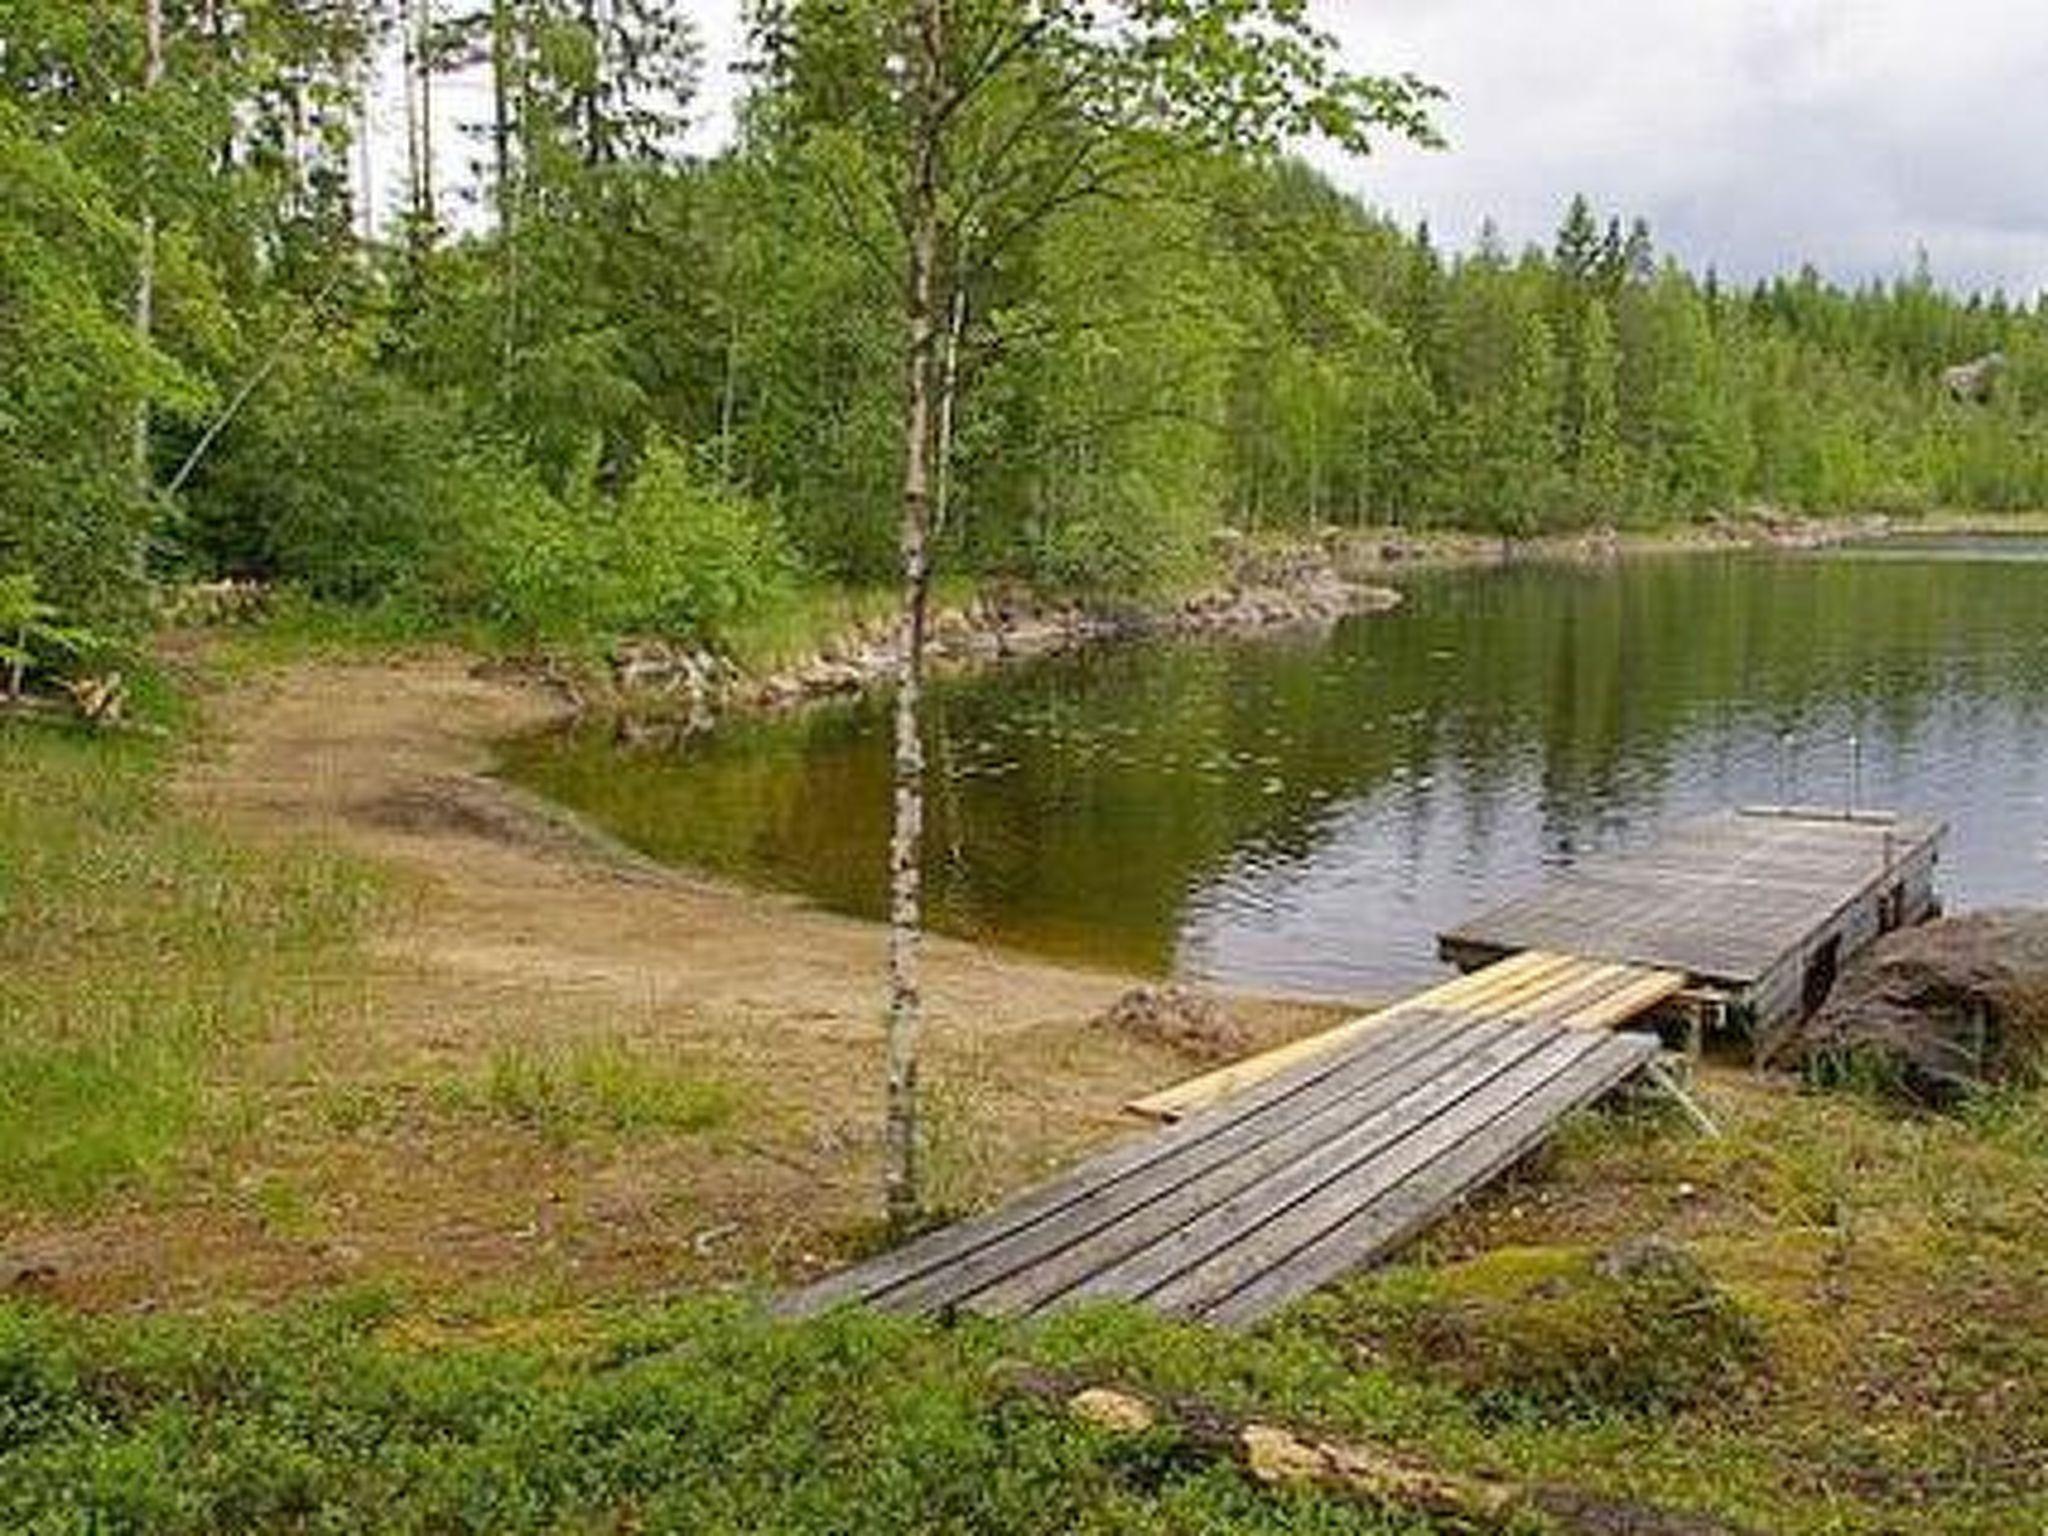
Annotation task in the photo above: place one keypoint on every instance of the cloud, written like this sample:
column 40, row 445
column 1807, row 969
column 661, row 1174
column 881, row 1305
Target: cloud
column 1753, row 134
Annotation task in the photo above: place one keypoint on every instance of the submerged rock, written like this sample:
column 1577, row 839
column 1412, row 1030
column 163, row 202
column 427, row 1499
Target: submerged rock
column 1938, row 1012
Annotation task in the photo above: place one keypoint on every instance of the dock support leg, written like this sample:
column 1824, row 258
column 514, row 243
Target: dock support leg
column 1667, row 1082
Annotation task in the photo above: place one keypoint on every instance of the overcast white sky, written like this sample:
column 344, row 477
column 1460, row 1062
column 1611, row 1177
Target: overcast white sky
column 1753, row 134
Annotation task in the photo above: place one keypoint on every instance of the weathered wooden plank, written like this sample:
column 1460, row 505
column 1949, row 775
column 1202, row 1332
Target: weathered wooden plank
column 1242, row 1237
column 1258, row 1105
column 1179, row 1100
column 1501, row 986
column 1034, row 1257
column 1375, row 1229
column 1121, row 1259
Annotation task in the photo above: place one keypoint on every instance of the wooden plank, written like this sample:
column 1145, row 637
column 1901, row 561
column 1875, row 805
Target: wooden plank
column 1375, row 1229
column 1631, row 1002
column 1182, row 1098
column 1059, row 1245
column 1262, row 1100
column 1117, row 1259
column 1591, row 982
column 1239, row 1237
column 1507, row 981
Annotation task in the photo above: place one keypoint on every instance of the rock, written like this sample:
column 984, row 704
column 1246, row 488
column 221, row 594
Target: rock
column 1111, row 1410
column 1938, row 1012
column 1971, row 382
column 1190, row 1022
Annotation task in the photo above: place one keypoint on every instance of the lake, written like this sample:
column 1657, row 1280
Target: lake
column 1302, row 813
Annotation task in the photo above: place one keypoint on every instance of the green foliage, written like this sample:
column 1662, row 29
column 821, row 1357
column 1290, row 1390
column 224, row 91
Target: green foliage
column 340, row 481
column 1548, row 1332
column 673, row 553
column 471, row 426
column 690, row 555
column 71, row 376
column 30, row 634
column 706, row 1417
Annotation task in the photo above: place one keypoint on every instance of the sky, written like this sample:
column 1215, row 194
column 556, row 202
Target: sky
column 1754, row 135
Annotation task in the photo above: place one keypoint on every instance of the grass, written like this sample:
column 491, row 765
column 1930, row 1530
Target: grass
column 137, row 946
column 1841, row 1329
column 820, row 614
column 561, row 1089
column 296, row 628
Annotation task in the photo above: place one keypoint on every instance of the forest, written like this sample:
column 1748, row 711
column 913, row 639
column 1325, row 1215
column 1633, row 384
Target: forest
column 600, row 384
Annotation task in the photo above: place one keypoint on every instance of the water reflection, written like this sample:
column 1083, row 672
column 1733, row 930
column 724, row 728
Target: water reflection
column 1305, row 813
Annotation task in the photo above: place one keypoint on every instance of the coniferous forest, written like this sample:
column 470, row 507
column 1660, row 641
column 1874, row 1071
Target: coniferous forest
column 596, row 383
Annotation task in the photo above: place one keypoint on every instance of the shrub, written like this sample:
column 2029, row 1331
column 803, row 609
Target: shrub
column 336, row 479
column 686, row 554
column 31, row 634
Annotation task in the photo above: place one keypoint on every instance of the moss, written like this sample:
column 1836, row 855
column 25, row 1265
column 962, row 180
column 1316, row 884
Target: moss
column 1562, row 1331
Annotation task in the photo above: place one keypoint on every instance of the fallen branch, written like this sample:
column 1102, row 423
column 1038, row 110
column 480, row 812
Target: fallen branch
column 1280, row 1455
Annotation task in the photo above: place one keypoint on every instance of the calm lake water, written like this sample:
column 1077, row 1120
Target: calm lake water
column 1304, row 813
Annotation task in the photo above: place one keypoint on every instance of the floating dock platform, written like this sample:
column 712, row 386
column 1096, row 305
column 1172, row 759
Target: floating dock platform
column 1758, row 908
column 1284, row 1172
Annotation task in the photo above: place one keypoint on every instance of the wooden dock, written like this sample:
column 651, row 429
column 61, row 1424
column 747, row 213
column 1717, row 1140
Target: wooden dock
column 1281, row 1173
column 1758, row 908
column 1271, row 1191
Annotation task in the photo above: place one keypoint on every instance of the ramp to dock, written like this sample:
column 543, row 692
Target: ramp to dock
column 1535, row 986
column 1273, row 1190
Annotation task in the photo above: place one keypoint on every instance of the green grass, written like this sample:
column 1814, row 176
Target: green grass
column 137, row 946
column 562, row 1089
column 702, row 1418
column 297, row 628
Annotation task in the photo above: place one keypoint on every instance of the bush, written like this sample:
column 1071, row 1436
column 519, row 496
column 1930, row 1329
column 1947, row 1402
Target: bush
column 675, row 553
column 360, row 488
column 336, row 479
column 32, row 637
column 686, row 554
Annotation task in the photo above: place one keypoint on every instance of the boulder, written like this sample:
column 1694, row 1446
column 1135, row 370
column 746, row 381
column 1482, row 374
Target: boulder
column 1938, row 1012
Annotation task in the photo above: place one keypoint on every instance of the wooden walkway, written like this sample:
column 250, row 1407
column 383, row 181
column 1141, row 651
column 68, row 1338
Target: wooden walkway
column 1281, row 1173
column 1283, row 1185
column 1535, row 987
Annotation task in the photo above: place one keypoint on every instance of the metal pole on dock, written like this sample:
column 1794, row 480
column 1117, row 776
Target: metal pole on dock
column 1855, row 772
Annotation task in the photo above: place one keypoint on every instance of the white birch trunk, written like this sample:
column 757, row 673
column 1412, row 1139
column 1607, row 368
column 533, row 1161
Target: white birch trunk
column 145, row 260
column 902, row 1174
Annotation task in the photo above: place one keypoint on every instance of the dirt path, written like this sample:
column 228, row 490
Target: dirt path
column 466, row 1115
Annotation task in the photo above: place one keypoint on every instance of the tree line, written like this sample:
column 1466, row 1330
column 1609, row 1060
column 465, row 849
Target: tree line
column 598, row 382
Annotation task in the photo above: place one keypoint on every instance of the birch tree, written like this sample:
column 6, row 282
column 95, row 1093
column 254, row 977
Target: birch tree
column 975, row 122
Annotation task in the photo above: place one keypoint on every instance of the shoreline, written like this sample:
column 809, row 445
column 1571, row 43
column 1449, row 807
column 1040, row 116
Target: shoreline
column 1270, row 587
column 517, row 952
